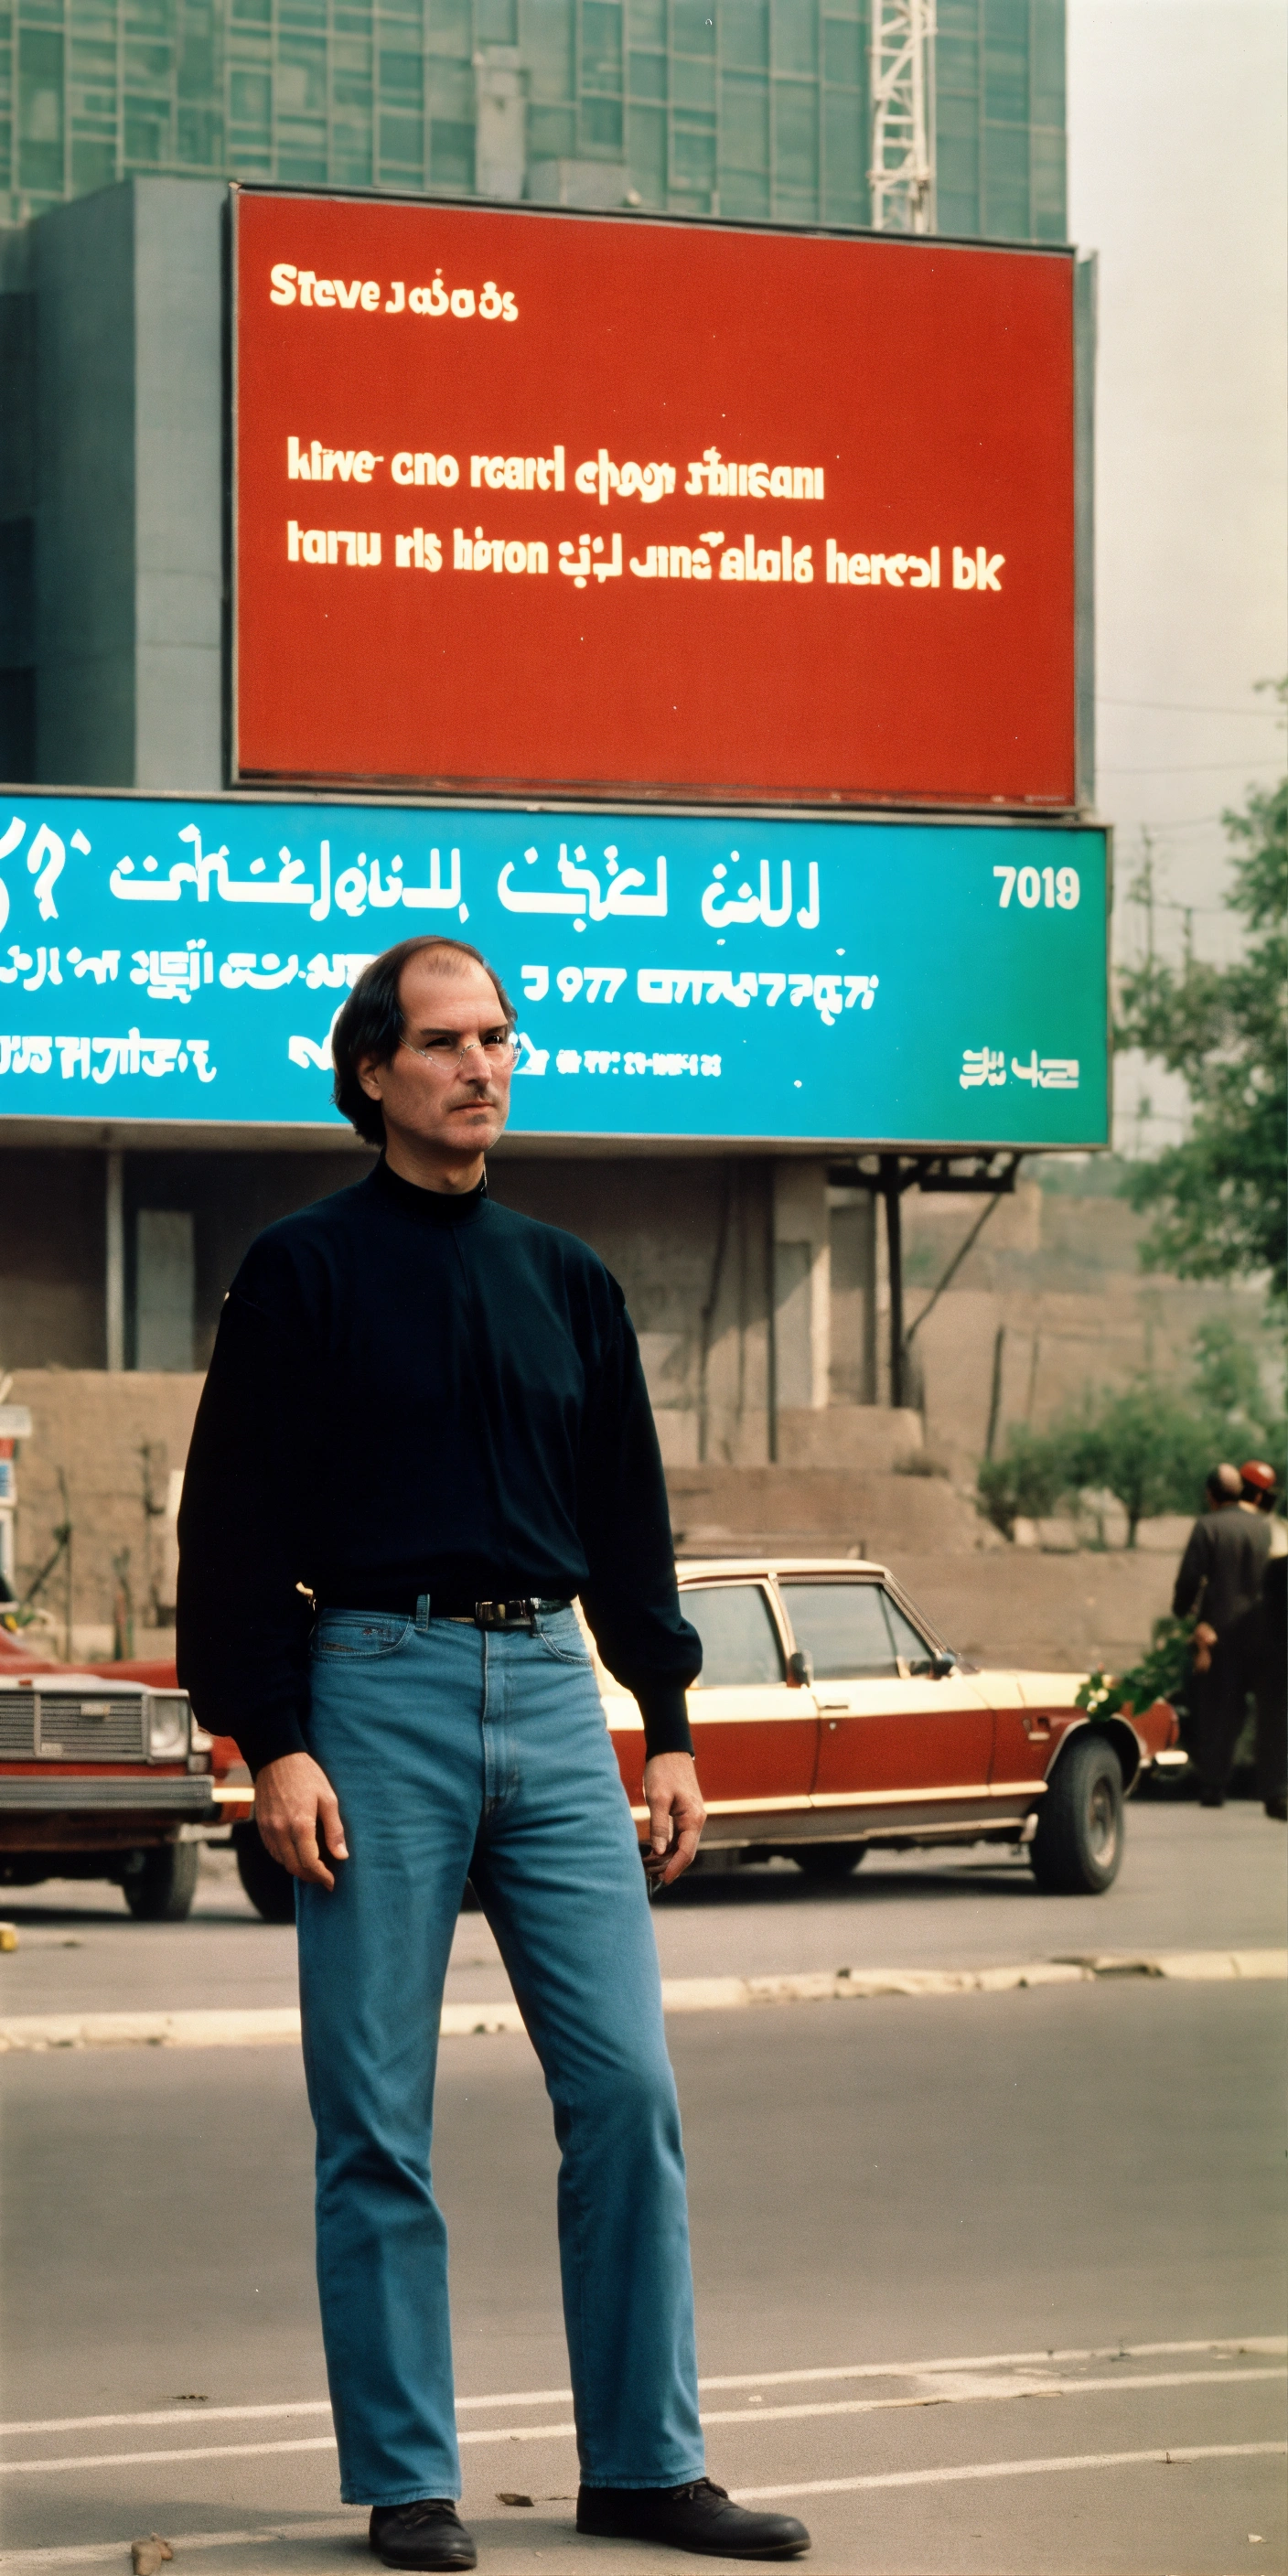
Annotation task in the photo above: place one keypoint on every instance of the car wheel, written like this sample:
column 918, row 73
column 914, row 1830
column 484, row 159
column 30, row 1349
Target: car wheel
column 160, row 1889
column 1078, row 1845
column 271, row 1888
column 828, row 1863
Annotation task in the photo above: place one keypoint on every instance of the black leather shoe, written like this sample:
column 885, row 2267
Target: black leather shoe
column 1211, row 1797
column 698, row 2517
column 427, row 2534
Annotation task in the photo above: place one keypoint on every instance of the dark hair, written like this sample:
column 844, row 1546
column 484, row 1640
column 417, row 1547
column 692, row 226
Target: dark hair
column 370, row 1024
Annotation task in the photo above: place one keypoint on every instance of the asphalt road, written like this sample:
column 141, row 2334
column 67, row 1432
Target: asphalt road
column 1191, row 1879
column 941, row 2244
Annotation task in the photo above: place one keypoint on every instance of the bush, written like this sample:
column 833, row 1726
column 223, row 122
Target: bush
column 1026, row 1483
column 1162, row 1673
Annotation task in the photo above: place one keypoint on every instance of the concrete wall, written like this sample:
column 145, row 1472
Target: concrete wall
column 115, row 1440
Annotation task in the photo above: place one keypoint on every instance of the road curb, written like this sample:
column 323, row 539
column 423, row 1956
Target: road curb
column 268, row 2026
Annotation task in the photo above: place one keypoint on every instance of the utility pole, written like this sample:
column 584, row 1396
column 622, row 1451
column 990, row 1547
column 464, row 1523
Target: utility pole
column 902, row 176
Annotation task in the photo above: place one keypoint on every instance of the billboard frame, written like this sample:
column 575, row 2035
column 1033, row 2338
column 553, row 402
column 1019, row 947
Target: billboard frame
column 201, row 1135
column 1084, row 282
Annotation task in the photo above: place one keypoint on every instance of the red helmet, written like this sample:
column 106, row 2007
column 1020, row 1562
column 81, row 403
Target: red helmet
column 1261, row 1477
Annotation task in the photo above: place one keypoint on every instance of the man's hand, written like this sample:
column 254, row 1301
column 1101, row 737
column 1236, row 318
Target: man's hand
column 676, row 1815
column 299, row 1818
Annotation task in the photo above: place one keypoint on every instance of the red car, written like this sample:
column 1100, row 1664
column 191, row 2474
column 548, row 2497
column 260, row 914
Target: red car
column 830, row 1716
column 105, row 1774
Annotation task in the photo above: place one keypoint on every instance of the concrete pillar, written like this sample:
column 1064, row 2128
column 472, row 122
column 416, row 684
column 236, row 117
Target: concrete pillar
column 802, row 1287
column 853, row 1239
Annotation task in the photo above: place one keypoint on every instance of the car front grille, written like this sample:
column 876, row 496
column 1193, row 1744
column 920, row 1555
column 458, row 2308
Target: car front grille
column 70, row 1726
column 17, row 1725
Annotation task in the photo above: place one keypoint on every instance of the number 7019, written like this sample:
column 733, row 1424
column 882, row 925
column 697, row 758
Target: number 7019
column 1034, row 886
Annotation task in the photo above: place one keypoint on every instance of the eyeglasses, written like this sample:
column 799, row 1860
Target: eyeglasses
column 446, row 1052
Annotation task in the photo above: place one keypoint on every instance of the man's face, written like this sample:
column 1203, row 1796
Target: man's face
column 430, row 1091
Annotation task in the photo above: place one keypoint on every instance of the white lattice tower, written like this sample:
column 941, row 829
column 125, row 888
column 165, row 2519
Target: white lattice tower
column 902, row 175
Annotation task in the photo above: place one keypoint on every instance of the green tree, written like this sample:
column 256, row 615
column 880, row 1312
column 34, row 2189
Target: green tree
column 1146, row 1448
column 1230, row 1395
column 1221, row 1197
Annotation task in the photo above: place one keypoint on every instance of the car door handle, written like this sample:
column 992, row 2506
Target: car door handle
column 1038, row 1729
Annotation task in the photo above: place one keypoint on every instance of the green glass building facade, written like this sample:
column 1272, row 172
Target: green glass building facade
column 750, row 108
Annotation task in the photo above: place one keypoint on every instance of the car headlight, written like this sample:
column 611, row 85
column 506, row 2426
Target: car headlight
column 167, row 1729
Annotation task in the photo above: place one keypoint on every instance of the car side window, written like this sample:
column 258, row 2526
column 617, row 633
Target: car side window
column 843, row 1628
column 911, row 1648
column 739, row 1639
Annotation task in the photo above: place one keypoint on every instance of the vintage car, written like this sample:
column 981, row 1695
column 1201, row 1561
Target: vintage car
column 104, row 1774
column 829, row 1717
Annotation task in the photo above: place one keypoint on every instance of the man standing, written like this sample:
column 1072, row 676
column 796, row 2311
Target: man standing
column 425, row 1431
column 1220, row 1577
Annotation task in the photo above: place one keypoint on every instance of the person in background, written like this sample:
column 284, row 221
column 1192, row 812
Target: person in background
column 1261, row 1490
column 1220, row 1578
column 1256, row 1662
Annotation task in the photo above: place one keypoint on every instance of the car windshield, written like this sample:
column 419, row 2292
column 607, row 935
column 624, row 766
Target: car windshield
column 739, row 1639
column 853, row 1631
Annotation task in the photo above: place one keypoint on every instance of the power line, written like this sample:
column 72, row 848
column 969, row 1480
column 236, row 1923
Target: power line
column 1183, row 707
column 1179, row 768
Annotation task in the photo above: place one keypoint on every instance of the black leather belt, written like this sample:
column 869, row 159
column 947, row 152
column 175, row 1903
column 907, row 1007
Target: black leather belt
column 517, row 1612
column 520, row 1613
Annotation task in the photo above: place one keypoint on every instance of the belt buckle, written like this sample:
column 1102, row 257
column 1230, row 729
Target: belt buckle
column 499, row 1615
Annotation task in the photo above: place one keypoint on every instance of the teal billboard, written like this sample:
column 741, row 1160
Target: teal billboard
column 675, row 977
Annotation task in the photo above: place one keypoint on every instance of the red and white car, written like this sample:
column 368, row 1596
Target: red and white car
column 830, row 1716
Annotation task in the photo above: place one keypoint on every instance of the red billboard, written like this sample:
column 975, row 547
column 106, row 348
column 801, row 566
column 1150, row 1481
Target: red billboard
column 530, row 502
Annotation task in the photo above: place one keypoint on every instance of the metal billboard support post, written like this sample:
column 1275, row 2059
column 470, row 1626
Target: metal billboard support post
column 888, row 1176
column 892, row 1188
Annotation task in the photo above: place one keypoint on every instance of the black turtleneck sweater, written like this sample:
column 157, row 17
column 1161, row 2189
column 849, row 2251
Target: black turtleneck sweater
column 416, row 1393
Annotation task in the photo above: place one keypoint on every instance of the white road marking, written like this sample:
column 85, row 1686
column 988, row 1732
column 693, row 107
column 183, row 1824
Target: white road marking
column 1017, row 2469
column 259, row 2025
column 1227, row 2347
column 1223, row 2344
column 249, row 2414
column 34, row 2562
column 975, row 2392
column 969, row 2392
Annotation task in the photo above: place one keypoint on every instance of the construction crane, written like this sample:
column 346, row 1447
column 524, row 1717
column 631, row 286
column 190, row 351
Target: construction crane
column 902, row 176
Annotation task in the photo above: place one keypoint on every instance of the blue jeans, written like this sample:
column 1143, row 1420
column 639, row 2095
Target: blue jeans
column 456, row 1752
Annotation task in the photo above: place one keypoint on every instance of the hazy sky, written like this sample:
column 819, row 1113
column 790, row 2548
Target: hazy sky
column 1178, row 159
column 1178, row 162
